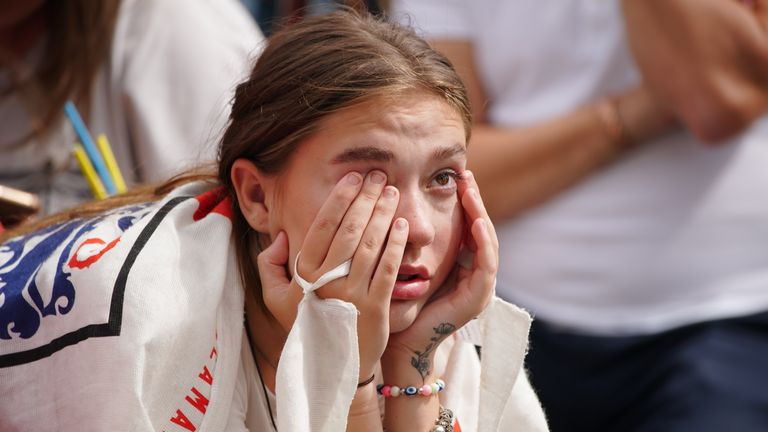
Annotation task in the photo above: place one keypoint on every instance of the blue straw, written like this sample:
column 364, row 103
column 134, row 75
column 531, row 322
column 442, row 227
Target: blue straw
column 90, row 147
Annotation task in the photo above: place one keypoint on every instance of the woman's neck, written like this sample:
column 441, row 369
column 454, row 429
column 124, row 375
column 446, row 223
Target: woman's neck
column 267, row 339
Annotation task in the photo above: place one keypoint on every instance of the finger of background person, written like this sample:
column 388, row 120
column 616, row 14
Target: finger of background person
column 353, row 225
column 326, row 222
column 384, row 277
column 371, row 245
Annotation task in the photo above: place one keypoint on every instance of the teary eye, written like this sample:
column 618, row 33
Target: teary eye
column 443, row 179
column 446, row 179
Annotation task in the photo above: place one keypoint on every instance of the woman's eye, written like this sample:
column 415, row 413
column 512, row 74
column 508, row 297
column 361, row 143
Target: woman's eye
column 446, row 179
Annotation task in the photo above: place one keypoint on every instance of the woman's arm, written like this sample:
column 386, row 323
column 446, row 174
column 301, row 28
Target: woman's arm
column 706, row 59
column 520, row 168
column 408, row 413
column 364, row 412
column 409, row 357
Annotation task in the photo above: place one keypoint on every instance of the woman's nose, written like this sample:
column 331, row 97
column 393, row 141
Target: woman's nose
column 421, row 230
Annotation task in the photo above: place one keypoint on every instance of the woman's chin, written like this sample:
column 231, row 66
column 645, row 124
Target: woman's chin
column 402, row 313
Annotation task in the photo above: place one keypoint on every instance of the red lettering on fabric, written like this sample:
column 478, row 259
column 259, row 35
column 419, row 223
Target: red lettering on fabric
column 200, row 402
column 196, row 399
column 206, row 376
column 183, row 421
column 76, row 262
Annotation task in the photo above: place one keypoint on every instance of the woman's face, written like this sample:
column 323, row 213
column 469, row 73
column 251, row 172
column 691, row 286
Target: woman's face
column 419, row 143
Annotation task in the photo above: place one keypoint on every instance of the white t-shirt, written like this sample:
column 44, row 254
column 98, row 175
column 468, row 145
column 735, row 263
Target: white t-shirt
column 674, row 233
column 162, row 99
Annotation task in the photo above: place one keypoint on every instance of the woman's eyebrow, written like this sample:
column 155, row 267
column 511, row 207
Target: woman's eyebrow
column 448, row 152
column 377, row 154
column 367, row 153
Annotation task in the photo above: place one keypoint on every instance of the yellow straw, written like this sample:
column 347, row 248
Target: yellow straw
column 89, row 172
column 109, row 160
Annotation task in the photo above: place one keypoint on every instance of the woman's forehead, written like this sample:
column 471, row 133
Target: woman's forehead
column 382, row 127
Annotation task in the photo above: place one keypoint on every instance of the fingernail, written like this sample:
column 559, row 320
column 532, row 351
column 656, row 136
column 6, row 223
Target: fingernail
column 377, row 177
column 390, row 192
column 353, row 178
column 401, row 224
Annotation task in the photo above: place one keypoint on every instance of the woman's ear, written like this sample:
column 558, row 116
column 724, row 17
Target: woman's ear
column 250, row 185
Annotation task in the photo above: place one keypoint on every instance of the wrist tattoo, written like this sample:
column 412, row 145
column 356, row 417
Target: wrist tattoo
column 421, row 360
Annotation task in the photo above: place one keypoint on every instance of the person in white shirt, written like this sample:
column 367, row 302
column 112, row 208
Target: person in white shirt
column 621, row 148
column 156, row 77
column 336, row 273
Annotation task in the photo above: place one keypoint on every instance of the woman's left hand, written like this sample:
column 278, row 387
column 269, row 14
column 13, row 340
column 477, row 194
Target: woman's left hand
column 465, row 293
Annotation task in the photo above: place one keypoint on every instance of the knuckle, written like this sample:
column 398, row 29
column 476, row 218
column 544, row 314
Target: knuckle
column 369, row 244
column 493, row 267
column 370, row 194
column 351, row 227
column 261, row 259
column 383, row 208
column 345, row 194
column 389, row 268
column 324, row 224
column 398, row 240
column 375, row 313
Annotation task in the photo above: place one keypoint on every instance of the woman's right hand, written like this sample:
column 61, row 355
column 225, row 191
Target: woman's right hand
column 355, row 222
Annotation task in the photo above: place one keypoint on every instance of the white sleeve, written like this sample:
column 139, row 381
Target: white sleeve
column 319, row 367
column 182, row 63
column 435, row 18
column 507, row 401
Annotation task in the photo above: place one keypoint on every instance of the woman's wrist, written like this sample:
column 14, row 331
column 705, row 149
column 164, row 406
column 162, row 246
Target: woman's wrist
column 401, row 366
column 364, row 413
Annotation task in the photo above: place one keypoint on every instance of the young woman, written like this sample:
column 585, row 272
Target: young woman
column 326, row 269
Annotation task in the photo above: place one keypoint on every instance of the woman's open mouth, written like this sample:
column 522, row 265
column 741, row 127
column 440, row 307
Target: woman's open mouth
column 412, row 282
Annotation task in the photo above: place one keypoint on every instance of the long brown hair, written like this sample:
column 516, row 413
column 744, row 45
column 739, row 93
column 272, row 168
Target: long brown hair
column 307, row 72
column 78, row 37
column 310, row 71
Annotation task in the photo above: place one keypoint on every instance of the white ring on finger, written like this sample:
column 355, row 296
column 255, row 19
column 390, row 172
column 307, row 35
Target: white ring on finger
column 337, row 272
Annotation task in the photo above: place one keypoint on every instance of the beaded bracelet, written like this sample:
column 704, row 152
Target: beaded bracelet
column 425, row 390
column 444, row 422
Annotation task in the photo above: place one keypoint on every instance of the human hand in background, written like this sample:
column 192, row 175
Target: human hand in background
column 705, row 59
column 642, row 115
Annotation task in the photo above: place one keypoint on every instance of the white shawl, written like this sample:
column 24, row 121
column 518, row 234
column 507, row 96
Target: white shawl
column 133, row 321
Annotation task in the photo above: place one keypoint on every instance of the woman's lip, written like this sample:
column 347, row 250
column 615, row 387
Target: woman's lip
column 419, row 271
column 410, row 289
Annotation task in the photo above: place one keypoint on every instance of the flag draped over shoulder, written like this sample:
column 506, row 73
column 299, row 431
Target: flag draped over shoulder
column 130, row 320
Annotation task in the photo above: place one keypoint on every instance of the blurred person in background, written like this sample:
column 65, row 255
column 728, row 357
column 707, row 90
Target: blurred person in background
column 271, row 13
column 621, row 147
column 155, row 76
